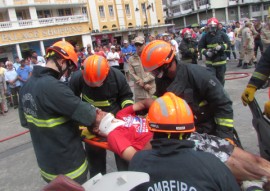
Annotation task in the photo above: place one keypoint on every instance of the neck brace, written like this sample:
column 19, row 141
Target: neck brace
column 108, row 124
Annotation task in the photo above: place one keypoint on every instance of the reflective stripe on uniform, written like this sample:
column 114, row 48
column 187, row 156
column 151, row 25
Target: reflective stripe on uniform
column 97, row 103
column 203, row 50
column 74, row 174
column 224, row 122
column 49, row 123
column 211, row 45
column 215, row 63
column 259, row 76
column 126, row 102
column 203, row 103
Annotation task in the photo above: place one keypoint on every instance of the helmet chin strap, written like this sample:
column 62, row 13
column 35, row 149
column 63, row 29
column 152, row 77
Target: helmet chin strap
column 61, row 72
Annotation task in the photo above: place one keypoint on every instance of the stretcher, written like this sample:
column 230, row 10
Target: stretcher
column 262, row 127
column 93, row 139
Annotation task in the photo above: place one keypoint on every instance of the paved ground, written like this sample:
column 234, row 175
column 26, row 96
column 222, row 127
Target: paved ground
column 18, row 167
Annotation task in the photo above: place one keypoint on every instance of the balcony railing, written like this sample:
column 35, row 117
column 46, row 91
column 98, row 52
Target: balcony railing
column 26, row 2
column 21, row 24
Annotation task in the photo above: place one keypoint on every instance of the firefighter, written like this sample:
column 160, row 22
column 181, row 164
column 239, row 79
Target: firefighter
column 198, row 86
column 213, row 46
column 188, row 47
column 257, row 80
column 49, row 109
column 172, row 163
column 106, row 88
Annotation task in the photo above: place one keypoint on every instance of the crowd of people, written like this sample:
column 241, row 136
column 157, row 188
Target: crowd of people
column 96, row 93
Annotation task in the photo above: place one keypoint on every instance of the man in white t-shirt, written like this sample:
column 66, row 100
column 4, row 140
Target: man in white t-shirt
column 113, row 58
column 175, row 44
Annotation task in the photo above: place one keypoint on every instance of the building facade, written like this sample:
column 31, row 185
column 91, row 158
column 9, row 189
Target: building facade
column 33, row 25
column 187, row 12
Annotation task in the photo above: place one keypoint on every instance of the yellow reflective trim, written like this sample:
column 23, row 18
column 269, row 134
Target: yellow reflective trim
column 225, row 45
column 126, row 102
column 49, row 123
column 96, row 103
column 215, row 63
column 259, row 76
column 224, row 122
column 203, row 103
column 74, row 174
column 211, row 45
column 203, row 50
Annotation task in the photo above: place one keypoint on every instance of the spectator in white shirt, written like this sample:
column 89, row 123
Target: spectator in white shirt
column 17, row 63
column 40, row 59
column 35, row 62
column 175, row 44
column 231, row 36
column 11, row 77
column 113, row 58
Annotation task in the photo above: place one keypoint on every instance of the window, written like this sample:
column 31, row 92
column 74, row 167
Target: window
column 101, row 11
column 232, row 12
column 188, row 5
column 266, row 6
column 143, row 7
column 203, row 2
column 64, row 12
column 256, row 8
column 111, row 10
column 127, row 9
column 176, row 10
column 84, row 10
column 21, row 15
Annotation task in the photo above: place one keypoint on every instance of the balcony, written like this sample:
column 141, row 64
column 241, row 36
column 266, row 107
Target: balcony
column 22, row 24
column 10, row 3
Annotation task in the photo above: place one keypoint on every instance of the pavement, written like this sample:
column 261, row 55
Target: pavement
column 18, row 166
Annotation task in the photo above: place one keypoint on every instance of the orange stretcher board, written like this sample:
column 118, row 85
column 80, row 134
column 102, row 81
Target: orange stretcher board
column 98, row 142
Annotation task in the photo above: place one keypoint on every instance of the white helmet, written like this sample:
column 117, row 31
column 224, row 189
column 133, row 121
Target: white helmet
column 108, row 124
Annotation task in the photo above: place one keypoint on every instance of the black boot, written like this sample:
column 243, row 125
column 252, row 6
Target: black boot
column 239, row 63
column 245, row 66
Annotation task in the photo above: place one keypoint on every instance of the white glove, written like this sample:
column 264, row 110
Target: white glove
column 209, row 54
column 218, row 47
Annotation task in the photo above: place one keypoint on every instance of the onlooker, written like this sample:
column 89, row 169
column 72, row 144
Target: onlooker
column 126, row 53
column 3, row 89
column 175, row 45
column 89, row 51
column 133, row 47
column 151, row 38
column 24, row 72
column 40, row 59
column 121, row 59
column 113, row 58
column 237, row 33
column 257, row 39
column 34, row 62
column 13, row 82
column 247, row 44
column 144, row 86
column 231, row 48
column 265, row 34
column 99, row 52
column 17, row 63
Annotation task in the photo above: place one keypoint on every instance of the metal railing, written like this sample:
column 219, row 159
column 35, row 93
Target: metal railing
column 14, row 25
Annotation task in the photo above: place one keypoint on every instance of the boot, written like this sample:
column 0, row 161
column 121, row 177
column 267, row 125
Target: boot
column 245, row 66
column 239, row 63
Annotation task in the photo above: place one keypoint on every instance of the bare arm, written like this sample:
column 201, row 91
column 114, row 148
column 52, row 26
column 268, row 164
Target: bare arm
column 144, row 104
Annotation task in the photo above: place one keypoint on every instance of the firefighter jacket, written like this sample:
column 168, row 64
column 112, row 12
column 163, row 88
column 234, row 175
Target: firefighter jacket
column 137, row 72
column 211, row 105
column 113, row 95
column 209, row 42
column 174, row 165
column 262, row 71
column 189, row 51
column 51, row 111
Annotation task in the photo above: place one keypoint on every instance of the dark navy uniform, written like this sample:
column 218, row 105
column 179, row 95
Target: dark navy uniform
column 113, row 95
column 50, row 109
column 174, row 165
column 205, row 95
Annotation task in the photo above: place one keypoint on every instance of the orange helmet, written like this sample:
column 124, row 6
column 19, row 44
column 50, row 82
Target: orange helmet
column 96, row 69
column 186, row 33
column 65, row 50
column 170, row 114
column 156, row 54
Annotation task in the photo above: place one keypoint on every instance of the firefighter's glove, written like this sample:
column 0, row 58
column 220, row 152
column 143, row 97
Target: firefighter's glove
column 192, row 50
column 208, row 53
column 267, row 109
column 248, row 94
column 219, row 47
